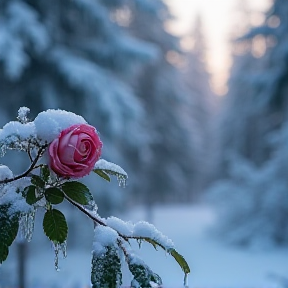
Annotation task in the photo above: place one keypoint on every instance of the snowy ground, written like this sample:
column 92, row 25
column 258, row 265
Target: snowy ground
column 212, row 264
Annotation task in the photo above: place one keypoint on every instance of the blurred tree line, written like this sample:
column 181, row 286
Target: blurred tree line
column 252, row 192
column 114, row 63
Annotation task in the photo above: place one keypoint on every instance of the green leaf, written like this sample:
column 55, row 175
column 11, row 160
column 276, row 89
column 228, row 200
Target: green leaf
column 180, row 260
column 4, row 251
column 153, row 242
column 9, row 225
column 30, row 194
column 37, row 181
column 111, row 169
column 143, row 275
column 54, row 195
column 102, row 174
column 78, row 192
column 106, row 269
column 55, row 226
column 45, row 173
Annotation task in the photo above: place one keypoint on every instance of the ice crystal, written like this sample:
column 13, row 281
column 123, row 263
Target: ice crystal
column 59, row 247
column 121, row 180
column 186, row 281
column 26, row 222
column 92, row 207
column 22, row 114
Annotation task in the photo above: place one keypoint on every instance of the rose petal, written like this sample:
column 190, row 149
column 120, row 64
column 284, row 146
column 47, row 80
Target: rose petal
column 75, row 152
column 67, row 150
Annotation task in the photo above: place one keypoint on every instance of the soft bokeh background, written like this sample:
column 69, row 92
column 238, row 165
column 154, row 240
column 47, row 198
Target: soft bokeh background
column 190, row 98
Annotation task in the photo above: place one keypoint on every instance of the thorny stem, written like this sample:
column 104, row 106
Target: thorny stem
column 32, row 166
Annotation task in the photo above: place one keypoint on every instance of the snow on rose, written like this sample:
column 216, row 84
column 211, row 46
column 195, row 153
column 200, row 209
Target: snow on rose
column 62, row 147
column 75, row 151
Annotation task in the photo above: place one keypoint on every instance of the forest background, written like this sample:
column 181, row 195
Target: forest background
column 148, row 92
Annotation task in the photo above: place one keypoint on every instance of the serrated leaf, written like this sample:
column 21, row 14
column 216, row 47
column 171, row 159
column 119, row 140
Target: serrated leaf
column 37, row 181
column 30, row 194
column 54, row 195
column 102, row 174
column 9, row 225
column 106, row 269
column 45, row 173
column 180, row 260
column 78, row 192
column 55, row 226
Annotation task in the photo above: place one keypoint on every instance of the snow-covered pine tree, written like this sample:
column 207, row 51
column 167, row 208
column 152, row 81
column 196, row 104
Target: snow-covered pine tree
column 168, row 170
column 202, row 103
column 71, row 55
column 254, row 135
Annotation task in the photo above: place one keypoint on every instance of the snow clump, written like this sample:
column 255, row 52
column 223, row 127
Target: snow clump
column 103, row 237
column 5, row 173
column 50, row 123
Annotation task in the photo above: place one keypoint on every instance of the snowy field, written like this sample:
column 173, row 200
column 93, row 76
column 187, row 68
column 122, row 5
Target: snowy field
column 212, row 264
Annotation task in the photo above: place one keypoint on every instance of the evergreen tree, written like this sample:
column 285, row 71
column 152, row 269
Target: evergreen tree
column 254, row 135
column 169, row 169
column 203, row 102
column 72, row 55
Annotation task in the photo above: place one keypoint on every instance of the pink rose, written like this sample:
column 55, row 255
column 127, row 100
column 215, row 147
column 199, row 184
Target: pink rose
column 75, row 151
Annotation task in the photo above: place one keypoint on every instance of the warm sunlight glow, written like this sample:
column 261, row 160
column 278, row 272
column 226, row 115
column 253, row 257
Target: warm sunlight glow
column 218, row 22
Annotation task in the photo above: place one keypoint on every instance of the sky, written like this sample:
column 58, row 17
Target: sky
column 218, row 20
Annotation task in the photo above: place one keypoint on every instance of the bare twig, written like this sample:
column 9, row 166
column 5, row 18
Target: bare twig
column 100, row 222
column 85, row 211
column 32, row 166
column 29, row 152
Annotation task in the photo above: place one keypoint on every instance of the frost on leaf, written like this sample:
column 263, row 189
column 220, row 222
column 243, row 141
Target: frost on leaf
column 104, row 168
column 106, row 269
column 144, row 277
column 151, row 234
column 106, row 264
column 10, row 195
